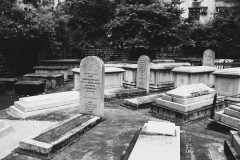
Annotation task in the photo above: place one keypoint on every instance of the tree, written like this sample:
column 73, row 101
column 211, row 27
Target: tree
column 87, row 21
column 149, row 26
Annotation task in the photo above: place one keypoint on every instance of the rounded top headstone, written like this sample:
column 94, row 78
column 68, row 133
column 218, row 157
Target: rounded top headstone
column 208, row 58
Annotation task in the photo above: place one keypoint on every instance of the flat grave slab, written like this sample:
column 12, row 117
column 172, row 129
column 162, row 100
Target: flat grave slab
column 58, row 136
column 141, row 102
column 35, row 105
column 226, row 119
column 4, row 129
column 9, row 82
column 53, row 70
column 155, row 146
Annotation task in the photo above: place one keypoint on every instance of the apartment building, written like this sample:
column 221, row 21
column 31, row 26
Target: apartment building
column 203, row 10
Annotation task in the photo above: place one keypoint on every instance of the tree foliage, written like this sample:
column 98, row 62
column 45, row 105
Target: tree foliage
column 87, row 20
column 146, row 25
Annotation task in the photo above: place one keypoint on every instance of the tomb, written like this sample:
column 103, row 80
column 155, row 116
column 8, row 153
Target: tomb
column 52, row 80
column 4, row 129
column 36, row 105
column 113, row 78
column 29, row 87
column 193, row 75
column 227, row 81
column 232, row 145
column 185, row 103
column 70, row 63
column 58, row 136
column 155, row 140
column 53, row 70
column 230, row 116
column 161, row 76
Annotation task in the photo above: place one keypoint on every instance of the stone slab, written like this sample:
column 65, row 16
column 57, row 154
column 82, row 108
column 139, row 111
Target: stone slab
column 235, row 140
column 189, row 91
column 228, row 72
column 46, row 104
column 178, row 116
column 17, row 112
column 226, row 119
column 194, row 69
column 51, row 67
column 159, row 128
column 5, row 130
column 188, row 100
column 182, row 107
column 141, row 101
column 9, row 82
column 232, row 113
column 230, row 151
column 234, row 107
column 113, row 70
column 208, row 58
column 156, row 147
column 46, row 97
column 167, row 66
column 33, row 145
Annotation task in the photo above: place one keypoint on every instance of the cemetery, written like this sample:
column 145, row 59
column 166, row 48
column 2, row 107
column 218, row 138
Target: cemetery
column 119, row 80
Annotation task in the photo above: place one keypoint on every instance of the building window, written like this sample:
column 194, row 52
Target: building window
column 194, row 13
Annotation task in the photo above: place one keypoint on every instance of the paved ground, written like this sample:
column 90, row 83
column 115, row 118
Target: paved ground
column 111, row 138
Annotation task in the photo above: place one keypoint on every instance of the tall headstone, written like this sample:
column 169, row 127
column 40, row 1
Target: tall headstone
column 143, row 73
column 208, row 58
column 91, row 88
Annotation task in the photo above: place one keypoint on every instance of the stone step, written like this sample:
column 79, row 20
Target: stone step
column 46, row 97
column 5, row 130
column 234, row 107
column 21, row 114
column 226, row 119
column 141, row 101
column 29, row 87
column 46, row 104
column 232, row 113
column 182, row 107
column 235, row 141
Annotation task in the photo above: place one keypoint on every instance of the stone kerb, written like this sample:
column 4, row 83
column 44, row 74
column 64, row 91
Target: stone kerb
column 143, row 73
column 91, row 84
column 208, row 58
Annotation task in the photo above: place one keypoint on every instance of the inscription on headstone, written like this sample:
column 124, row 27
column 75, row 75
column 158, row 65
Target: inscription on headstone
column 91, row 88
column 143, row 73
column 208, row 58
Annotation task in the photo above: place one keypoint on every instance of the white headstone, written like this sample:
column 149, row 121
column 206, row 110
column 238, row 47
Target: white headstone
column 208, row 58
column 92, row 86
column 143, row 73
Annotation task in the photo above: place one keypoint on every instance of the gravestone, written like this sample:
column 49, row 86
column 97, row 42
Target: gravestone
column 143, row 73
column 91, row 88
column 208, row 58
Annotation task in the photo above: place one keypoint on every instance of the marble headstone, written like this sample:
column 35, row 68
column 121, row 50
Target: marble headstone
column 91, row 88
column 143, row 73
column 208, row 58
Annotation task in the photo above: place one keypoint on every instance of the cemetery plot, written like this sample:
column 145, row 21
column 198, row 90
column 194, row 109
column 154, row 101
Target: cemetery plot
column 58, row 136
column 193, row 75
column 53, row 70
column 185, row 103
column 35, row 105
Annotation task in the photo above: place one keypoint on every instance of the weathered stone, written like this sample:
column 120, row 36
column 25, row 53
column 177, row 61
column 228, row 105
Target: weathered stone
column 4, row 129
column 232, row 113
column 227, row 81
column 157, row 147
column 143, row 73
column 159, row 128
column 226, row 119
column 92, row 86
column 53, row 70
column 208, row 58
column 193, row 75
column 9, row 82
